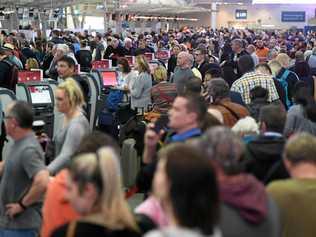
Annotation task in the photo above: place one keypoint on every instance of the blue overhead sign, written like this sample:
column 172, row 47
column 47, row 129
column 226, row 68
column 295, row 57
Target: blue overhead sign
column 241, row 14
column 290, row 16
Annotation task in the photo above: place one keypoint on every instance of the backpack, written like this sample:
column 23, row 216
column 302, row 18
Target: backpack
column 13, row 75
column 114, row 98
column 284, row 85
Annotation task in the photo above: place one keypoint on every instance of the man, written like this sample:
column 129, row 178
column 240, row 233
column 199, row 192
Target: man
column 264, row 152
column 11, row 56
column 66, row 69
column 24, row 177
column 56, row 37
column 99, row 50
column 218, row 91
column 185, row 118
column 251, row 79
column 238, row 51
column 182, row 72
column 128, row 47
column 200, row 61
column 172, row 62
column 251, row 49
column 114, row 51
column 296, row 196
column 143, row 48
column 261, row 51
column 59, row 51
column 8, row 71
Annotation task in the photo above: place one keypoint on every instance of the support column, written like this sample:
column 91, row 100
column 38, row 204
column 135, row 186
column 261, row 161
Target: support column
column 213, row 15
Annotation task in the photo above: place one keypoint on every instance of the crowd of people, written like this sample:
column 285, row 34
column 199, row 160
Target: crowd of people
column 228, row 148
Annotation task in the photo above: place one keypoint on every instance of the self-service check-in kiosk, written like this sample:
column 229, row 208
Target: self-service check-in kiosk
column 40, row 96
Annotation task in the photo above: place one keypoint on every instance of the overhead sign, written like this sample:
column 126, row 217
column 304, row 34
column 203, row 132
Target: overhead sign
column 241, row 14
column 293, row 16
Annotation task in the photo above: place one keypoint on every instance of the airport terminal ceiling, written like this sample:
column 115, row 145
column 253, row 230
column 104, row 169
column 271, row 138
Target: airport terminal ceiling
column 140, row 4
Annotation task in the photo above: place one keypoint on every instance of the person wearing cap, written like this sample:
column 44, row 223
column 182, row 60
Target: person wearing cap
column 9, row 48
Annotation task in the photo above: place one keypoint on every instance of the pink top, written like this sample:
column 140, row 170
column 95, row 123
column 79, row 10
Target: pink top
column 152, row 208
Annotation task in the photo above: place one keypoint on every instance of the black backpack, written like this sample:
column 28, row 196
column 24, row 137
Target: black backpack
column 13, row 75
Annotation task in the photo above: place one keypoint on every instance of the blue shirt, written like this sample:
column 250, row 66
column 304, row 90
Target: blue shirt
column 181, row 137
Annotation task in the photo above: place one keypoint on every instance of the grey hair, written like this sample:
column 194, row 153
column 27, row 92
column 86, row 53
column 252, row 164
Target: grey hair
column 226, row 148
column 218, row 89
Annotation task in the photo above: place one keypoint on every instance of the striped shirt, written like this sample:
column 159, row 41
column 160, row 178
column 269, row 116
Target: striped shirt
column 252, row 79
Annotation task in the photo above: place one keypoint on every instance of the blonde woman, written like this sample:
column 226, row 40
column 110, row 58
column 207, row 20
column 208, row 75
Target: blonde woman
column 94, row 190
column 31, row 63
column 69, row 101
column 140, row 90
column 163, row 93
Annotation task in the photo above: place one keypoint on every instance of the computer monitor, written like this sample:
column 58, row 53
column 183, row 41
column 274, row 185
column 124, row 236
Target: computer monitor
column 40, row 94
column 109, row 78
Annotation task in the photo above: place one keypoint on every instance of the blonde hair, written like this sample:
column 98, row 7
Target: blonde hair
column 73, row 91
column 275, row 67
column 283, row 59
column 160, row 74
column 103, row 170
column 32, row 63
column 142, row 63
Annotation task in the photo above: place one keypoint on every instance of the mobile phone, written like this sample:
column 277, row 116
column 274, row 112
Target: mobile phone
column 161, row 123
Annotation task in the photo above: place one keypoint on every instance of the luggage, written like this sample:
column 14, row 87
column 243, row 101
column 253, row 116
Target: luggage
column 130, row 162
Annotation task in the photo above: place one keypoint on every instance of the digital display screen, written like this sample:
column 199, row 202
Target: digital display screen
column 109, row 78
column 40, row 94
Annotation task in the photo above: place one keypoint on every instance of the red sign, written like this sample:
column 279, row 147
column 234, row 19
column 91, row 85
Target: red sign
column 163, row 54
column 149, row 56
column 27, row 76
column 102, row 64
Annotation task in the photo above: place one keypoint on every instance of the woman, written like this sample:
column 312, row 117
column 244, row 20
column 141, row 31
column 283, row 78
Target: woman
column 163, row 93
column 69, row 101
column 57, row 210
column 127, row 77
column 185, row 185
column 95, row 191
column 31, row 63
column 140, row 89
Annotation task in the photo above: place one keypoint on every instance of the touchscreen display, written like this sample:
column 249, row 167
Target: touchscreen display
column 109, row 78
column 40, row 94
